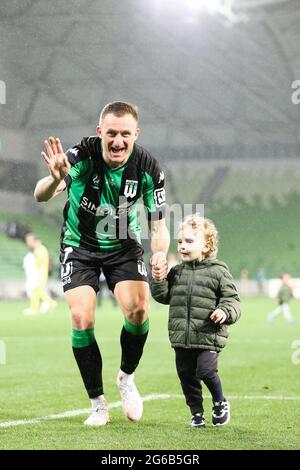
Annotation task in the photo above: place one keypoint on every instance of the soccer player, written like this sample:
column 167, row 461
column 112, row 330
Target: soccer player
column 36, row 266
column 105, row 176
column 284, row 295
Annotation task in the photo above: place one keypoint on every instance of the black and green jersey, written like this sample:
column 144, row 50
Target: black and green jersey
column 102, row 210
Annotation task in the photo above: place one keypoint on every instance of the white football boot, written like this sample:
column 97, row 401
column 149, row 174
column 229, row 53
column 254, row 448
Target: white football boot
column 132, row 402
column 99, row 415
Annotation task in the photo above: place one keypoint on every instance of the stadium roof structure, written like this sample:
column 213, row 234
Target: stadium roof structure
column 204, row 84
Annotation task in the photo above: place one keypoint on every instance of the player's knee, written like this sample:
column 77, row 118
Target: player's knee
column 82, row 319
column 139, row 312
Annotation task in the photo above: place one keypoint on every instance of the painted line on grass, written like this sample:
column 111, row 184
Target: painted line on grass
column 152, row 397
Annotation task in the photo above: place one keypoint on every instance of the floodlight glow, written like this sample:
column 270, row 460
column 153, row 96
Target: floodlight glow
column 208, row 5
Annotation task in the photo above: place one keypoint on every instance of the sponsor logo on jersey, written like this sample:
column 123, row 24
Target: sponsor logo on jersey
column 130, row 189
column 104, row 211
column 88, row 206
column 142, row 268
column 159, row 197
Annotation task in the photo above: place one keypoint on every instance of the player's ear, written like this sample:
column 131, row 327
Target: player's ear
column 98, row 130
column 137, row 132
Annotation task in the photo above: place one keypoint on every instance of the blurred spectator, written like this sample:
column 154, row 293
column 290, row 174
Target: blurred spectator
column 285, row 294
column 36, row 266
column 260, row 280
column 16, row 230
column 244, row 275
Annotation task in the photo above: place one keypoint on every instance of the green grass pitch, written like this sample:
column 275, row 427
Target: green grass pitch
column 40, row 378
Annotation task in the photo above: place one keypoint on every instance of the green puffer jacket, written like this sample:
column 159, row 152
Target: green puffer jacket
column 194, row 290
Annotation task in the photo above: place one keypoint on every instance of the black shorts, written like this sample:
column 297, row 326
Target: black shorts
column 81, row 267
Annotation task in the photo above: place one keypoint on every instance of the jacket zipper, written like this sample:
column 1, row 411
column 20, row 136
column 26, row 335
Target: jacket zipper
column 190, row 288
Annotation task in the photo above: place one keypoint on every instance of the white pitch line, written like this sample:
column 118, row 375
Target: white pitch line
column 154, row 396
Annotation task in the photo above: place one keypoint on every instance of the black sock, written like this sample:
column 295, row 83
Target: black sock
column 132, row 350
column 89, row 361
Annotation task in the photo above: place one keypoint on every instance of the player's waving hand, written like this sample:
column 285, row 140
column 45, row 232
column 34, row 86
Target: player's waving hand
column 56, row 159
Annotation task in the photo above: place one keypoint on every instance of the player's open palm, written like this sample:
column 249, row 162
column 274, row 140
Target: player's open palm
column 56, row 159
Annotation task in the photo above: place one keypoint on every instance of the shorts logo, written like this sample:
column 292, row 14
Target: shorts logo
column 67, row 250
column 160, row 197
column 142, row 268
column 66, row 271
column 130, row 189
column 66, row 268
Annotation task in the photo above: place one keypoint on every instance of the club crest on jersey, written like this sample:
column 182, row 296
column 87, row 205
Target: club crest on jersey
column 130, row 189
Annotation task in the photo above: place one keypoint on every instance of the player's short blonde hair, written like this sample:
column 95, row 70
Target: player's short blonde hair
column 119, row 109
column 200, row 224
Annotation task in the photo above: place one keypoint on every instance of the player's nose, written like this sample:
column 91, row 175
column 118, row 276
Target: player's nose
column 118, row 141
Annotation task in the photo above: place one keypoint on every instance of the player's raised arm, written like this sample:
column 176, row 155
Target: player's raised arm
column 59, row 167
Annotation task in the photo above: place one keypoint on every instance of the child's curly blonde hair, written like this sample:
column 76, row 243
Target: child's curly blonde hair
column 198, row 224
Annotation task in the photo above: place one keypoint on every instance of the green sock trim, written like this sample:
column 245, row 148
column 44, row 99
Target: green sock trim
column 82, row 338
column 137, row 330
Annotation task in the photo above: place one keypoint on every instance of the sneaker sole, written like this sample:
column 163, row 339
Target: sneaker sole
column 96, row 425
column 222, row 424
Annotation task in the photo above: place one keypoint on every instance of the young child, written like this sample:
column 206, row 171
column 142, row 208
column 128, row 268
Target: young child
column 285, row 294
column 203, row 302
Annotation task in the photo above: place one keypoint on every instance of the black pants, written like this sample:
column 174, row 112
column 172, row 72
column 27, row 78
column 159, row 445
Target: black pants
column 194, row 366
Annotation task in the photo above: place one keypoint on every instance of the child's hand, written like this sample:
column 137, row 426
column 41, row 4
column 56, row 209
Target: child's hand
column 160, row 274
column 159, row 266
column 218, row 316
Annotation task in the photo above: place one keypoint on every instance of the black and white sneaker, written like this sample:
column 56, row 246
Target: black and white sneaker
column 220, row 412
column 197, row 421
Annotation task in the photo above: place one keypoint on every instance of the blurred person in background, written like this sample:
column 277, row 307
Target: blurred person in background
column 36, row 267
column 285, row 294
column 261, row 280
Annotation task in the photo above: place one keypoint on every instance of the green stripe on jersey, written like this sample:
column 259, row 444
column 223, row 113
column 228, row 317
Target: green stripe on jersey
column 77, row 187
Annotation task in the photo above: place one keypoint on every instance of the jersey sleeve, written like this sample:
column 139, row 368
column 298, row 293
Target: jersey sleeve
column 154, row 195
column 78, row 157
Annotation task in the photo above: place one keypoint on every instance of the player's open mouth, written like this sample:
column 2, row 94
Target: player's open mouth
column 117, row 151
